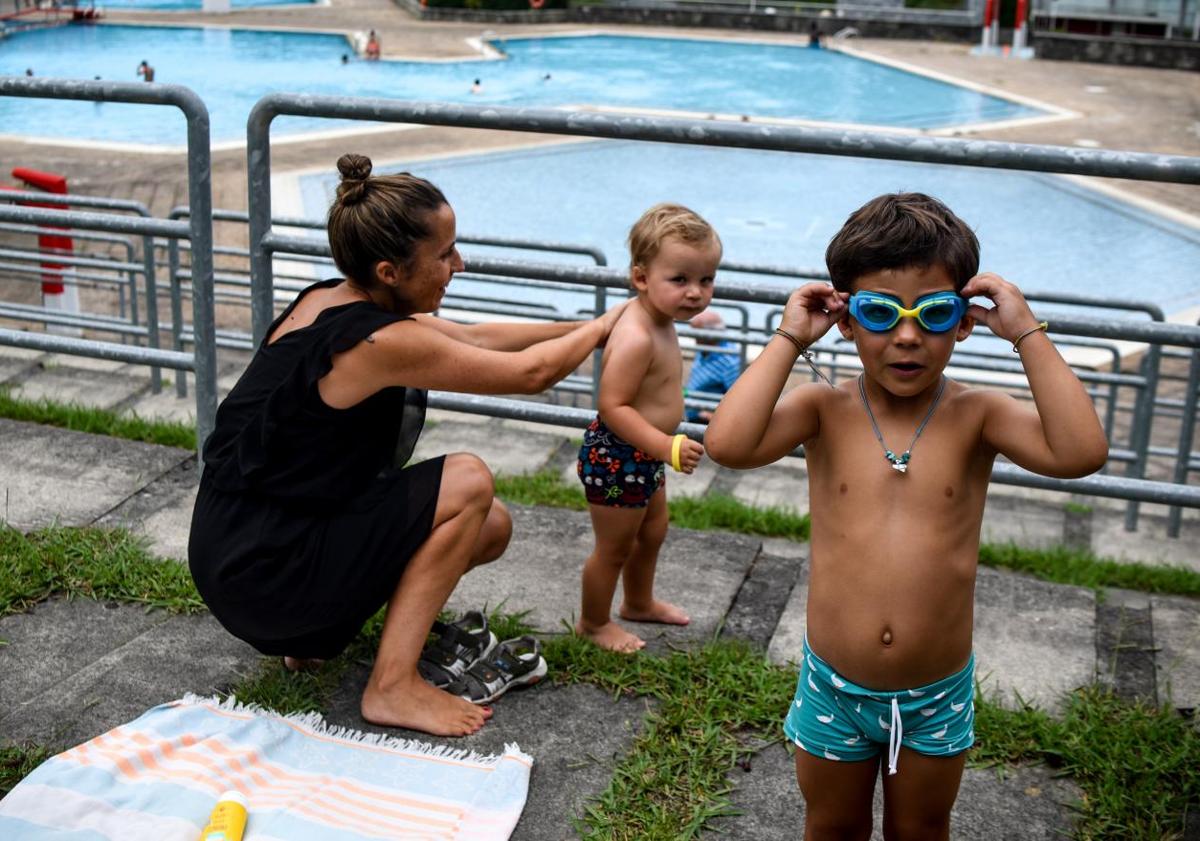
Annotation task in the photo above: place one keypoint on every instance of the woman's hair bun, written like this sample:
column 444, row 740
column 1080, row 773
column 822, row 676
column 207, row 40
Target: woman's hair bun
column 355, row 169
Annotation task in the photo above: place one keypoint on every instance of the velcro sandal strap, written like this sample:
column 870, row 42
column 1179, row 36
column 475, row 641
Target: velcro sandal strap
column 449, row 636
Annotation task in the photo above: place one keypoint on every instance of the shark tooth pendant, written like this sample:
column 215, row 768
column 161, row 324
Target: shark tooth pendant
column 899, row 463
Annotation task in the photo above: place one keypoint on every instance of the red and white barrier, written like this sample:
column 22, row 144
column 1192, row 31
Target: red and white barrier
column 55, row 294
column 1020, row 31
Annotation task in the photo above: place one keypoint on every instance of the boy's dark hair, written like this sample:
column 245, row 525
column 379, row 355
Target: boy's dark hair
column 377, row 218
column 902, row 230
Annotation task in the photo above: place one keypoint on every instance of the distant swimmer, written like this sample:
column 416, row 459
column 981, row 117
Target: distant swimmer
column 546, row 78
column 477, row 87
column 814, row 35
column 345, row 58
column 146, row 71
column 28, row 71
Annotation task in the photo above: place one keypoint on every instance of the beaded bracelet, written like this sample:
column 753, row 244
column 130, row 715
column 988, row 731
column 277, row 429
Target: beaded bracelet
column 1017, row 341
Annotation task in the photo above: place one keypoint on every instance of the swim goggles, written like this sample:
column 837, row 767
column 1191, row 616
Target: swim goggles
column 936, row 312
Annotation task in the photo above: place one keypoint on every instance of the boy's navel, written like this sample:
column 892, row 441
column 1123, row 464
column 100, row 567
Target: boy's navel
column 887, row 636
column 843, row 488
column 949, row 491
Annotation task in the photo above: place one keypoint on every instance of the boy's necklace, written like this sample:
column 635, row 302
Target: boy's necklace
column 899, row 462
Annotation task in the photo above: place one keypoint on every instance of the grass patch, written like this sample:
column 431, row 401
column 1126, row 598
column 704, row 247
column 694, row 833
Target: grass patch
column 721, row 511
column 712, row 511
column 711, row 703
column 95, row 563
column 1138, row 766
column 99, row 421
column 275, row 688
column 543, row 488
column 1083, row 569
column 16, row 763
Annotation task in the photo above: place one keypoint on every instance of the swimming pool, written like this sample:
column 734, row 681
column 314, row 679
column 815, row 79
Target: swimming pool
column 182, row 5
column 232, row 69
column 1042, row 232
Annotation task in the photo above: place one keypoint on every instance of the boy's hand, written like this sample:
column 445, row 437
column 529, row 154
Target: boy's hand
column 1011, row 316
column 689, row 455
column 811, row 310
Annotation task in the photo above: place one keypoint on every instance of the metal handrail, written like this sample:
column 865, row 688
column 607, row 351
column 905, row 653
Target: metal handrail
column 198, row 230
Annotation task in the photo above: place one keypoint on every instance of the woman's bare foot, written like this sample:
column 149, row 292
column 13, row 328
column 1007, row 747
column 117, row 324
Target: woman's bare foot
column 417, row 705
column 612, row 636
column 663, row 612
column 302, row 664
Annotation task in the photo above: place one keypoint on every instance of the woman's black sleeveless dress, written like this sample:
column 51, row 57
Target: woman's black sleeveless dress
column 306, row 516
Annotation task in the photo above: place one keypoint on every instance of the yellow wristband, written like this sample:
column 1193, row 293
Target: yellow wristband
column 676, row 444
column 1042, row 325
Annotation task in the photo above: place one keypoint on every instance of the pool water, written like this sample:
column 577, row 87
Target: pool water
column 1042, row 232
column 180, row 5
column 232, row 69
column 767, row 80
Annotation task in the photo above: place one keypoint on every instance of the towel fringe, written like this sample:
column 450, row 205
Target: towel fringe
column 315, row 724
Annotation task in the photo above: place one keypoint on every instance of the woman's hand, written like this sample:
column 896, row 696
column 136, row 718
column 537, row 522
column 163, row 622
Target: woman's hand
column 811, row 310
column 609, row 320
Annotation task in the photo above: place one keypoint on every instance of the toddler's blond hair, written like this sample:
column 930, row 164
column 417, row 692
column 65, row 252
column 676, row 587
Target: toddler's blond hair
column 661, row 222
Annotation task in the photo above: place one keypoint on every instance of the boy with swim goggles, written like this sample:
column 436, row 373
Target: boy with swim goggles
column 886, row 670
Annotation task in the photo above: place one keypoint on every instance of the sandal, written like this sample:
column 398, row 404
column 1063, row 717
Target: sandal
column 458, row 644
column 515, row 662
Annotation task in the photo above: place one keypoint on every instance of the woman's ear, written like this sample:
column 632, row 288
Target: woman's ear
column 387, row 274
column 965, row 326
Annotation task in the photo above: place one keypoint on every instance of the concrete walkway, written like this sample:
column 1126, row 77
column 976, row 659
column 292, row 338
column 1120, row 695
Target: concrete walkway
column 76, row 668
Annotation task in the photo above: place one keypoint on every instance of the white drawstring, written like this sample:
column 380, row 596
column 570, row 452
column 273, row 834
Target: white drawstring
column 897, row 732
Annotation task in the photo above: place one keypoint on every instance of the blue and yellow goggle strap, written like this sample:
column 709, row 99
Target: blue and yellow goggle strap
column 879, row 312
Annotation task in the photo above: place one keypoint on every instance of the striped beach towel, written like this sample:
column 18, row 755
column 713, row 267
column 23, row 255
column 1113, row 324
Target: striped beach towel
column 158, row 778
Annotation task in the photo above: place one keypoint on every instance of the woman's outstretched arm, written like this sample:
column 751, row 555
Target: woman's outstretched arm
column 500, row 335
column 410, row 353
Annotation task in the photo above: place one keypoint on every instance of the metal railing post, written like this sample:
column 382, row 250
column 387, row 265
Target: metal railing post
column 200, row 199
column 151, row 308
column 1186, row 436
column 258, row 166
column 176, row 309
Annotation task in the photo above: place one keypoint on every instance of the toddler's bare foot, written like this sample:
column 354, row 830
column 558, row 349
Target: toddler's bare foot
column 302, row 664
column 612, row 636
column 417, row 705
column 664, row 612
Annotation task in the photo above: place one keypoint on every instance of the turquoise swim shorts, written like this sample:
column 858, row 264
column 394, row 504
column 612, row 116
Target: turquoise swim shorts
column 832, row 718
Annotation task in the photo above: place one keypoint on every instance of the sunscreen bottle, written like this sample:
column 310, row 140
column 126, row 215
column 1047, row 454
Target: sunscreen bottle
column 228, row 819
